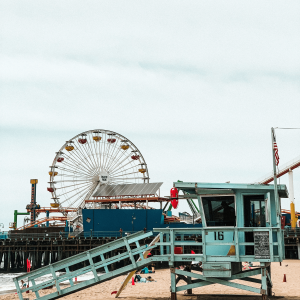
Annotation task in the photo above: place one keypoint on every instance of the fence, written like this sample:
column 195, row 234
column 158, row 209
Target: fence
column 19, row 235
column 218, row 246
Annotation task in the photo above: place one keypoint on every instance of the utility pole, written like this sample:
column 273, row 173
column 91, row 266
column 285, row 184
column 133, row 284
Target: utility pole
column 278, row 212
column 292, row 200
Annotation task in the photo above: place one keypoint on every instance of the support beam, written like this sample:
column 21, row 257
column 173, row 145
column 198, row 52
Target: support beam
column 292, row 198
column 173, row 284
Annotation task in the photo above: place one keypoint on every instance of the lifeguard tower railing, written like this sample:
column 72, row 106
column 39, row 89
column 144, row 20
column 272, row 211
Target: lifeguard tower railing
column 172, row 238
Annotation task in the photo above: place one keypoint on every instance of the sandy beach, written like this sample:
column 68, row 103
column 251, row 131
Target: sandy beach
column 160, row 289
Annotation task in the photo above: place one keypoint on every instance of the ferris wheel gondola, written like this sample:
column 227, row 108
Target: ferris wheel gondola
column 93, row 158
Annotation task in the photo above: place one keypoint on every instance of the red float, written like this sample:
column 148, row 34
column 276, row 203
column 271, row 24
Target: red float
column 174, row 197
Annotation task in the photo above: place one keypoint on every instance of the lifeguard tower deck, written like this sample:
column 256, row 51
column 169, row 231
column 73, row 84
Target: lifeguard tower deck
column 240, row 222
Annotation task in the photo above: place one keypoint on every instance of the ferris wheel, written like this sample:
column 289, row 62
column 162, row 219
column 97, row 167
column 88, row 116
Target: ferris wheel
column 93, row 158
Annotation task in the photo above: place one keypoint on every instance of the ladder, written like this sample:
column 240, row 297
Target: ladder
column 91, row 261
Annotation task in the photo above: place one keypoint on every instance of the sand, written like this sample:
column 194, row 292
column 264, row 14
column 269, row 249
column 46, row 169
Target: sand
column 161, row 288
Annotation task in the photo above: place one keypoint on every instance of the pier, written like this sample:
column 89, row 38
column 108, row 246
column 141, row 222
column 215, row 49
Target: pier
column 45, row 249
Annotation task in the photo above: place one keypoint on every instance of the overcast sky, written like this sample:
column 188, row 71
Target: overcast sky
column 196, row 85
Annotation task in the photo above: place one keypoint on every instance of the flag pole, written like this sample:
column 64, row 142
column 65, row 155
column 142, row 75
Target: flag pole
column 278, row 221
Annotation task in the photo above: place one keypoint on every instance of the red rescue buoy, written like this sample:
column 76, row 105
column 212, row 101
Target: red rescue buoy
column 174, row 197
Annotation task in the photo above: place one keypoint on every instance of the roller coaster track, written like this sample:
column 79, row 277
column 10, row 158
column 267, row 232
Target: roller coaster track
column 284, row 169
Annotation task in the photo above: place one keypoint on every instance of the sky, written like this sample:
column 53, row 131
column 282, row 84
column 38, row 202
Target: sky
column 195, row 85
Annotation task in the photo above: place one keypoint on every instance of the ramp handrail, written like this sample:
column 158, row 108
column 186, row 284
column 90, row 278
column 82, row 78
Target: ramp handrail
column 94, row 260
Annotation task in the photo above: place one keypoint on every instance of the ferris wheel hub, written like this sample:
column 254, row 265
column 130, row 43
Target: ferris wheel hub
column 104, row 177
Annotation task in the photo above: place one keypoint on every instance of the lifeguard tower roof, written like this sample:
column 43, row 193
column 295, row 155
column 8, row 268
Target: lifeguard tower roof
column 203, row 188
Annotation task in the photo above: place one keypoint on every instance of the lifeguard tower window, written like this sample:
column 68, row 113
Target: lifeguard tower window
column 219, row 210
column 254, row 211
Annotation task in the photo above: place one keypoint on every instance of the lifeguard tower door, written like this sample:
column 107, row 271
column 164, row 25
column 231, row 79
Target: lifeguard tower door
column 255, row 208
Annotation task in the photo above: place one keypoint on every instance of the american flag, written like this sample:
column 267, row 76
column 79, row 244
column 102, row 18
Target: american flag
column 276, row 153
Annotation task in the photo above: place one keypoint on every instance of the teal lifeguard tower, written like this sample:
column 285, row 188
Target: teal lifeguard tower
column 240, row 223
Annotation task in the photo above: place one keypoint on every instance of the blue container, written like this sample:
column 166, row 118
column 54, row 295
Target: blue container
column 110, row 221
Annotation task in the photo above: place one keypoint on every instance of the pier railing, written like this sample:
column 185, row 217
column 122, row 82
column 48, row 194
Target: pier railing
column 19, row 235
column 292, row 232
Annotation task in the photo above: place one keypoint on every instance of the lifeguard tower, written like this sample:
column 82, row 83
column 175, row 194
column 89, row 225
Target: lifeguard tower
column 240, row 223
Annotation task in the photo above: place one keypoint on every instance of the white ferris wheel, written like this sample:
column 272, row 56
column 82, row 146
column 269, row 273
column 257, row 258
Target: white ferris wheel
column 93, row 158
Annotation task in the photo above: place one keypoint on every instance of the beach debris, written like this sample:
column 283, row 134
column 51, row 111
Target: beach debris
column 284, row 278
column 247, row 266
column 286, row 265
column 114, row 292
